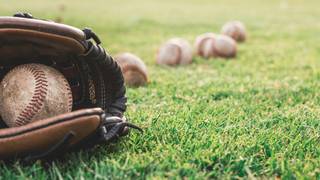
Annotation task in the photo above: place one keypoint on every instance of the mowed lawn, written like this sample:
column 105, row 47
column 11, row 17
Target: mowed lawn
column 257, row 115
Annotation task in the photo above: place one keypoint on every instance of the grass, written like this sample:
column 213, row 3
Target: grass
column 254, row 116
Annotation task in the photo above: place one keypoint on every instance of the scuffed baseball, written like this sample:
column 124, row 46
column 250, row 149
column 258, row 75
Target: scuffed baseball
column 225, row 47
column 133, row 68
column 175, row 51
column 32, row 92
column 210, row 45
column 236, row 30
column 204, row 45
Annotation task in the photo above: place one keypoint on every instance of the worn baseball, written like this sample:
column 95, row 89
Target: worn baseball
column 174, row 52
column 32, row 92
column 210, row 45
column 224, row 46
column 204, row 45
column 236, row 30
column 133, row 69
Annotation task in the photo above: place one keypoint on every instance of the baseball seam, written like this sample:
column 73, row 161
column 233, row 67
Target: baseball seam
column 37, row 99
column 215, row 51
column 70, row 100
column 179, row 55
column 201, row 46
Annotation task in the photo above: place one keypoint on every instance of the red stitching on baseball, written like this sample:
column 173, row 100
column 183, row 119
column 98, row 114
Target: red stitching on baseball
column 200, row 46
column 178, row 58
column 70, row 100
column 40, row 93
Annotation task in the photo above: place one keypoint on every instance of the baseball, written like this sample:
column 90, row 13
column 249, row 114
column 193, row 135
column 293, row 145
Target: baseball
column 224, row 47
column 32, row 92
column 210, row 45
column 174, row 52
column 236, row 30
column 204, row 45
column 133, row 68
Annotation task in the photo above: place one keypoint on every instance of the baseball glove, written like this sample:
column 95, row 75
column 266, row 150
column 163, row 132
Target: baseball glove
column 95, row 78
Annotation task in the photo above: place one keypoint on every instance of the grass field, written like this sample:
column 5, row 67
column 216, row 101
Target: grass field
column 254, row 116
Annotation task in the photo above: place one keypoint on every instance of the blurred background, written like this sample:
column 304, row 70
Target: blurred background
column 140, row 25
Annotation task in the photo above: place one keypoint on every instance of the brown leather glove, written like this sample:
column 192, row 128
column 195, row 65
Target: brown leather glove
column 95, row 78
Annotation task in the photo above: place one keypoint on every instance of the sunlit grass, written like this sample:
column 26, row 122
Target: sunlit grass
column 256, row 115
